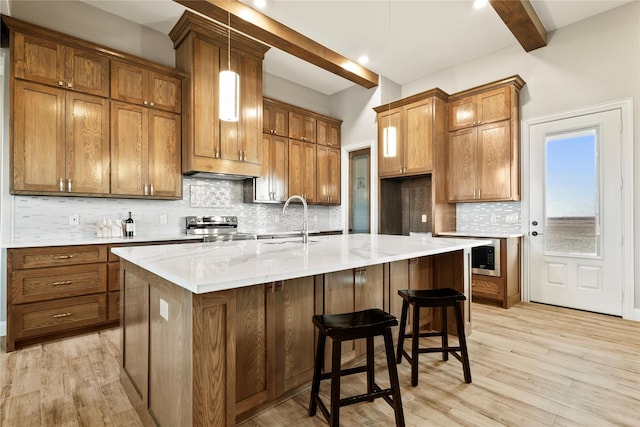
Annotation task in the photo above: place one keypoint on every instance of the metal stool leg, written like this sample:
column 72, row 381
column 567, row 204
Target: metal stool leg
column 371, row 366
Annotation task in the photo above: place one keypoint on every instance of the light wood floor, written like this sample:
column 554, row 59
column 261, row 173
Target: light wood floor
column 532, row 365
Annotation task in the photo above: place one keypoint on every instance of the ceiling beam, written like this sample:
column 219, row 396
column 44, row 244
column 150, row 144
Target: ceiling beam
column 252, row 23
column 522, row 21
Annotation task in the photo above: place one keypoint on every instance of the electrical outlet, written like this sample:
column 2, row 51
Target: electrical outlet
column 164, row 309
column 163, row 219
column 74, row 219
column 424, row 218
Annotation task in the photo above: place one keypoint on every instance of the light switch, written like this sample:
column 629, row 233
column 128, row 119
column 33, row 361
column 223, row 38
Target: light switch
column 424, row 218
column 164, row 309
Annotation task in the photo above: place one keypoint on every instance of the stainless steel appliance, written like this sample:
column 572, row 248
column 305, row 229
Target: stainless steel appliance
column 486, row 259
column 216, row 228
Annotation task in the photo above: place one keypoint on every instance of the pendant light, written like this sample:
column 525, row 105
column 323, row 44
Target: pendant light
column 389, row 133
column 229, row 104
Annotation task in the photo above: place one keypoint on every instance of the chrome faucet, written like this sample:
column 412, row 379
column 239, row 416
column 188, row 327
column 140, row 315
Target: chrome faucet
column 305, row 217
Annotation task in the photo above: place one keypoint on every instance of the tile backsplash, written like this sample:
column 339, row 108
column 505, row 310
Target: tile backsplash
column 48, row 217
column 501, row 217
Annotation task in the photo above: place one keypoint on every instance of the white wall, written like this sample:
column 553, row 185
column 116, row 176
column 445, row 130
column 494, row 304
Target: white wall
column 588, row 63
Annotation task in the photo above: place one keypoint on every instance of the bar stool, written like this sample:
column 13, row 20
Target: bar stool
column 342, row 327
column 443, row 298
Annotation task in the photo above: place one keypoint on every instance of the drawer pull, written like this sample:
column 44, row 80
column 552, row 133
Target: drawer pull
column 56, row 316
column 63, row 257
column 68, row 282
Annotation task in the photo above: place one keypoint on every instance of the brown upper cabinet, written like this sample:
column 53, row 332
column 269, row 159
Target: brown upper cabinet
column 275, row 119
column 484, row 143
column 63, row 84
column 140, row 85
column 417, row 122
column 328, row 175
column 145, row 148
column 487, row 107
column 302, row 126
column 47, row 61
column 302, row 169
column 68, row 151
column 272, row 185
column 209, row 144
column 328, row 133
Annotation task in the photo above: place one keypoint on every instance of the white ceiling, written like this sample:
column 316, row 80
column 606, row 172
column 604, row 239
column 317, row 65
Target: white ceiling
column 404, row 39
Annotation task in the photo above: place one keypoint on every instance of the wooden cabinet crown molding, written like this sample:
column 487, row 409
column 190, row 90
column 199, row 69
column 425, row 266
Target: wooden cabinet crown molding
column 295, row 109
column 515, row 81
column 437, row 93
column 215, row 33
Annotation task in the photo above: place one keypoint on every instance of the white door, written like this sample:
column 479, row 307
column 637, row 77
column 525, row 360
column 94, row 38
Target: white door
column 575, row 213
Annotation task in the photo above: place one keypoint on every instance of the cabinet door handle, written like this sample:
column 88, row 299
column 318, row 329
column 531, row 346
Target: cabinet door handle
column 244, row 156
column 69, row 185
column 69, row 85
column 61, row 185
column 61, row 315
column 152, row 104
column 63, row 257
column 145, row 190
column 68, row 282
column 151, row 190
column 60, row 83
column 146, row 102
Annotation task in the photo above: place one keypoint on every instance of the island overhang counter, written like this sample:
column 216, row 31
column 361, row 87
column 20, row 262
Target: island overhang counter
column 212, row 333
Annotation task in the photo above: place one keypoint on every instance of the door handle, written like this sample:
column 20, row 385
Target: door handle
column 535, row 233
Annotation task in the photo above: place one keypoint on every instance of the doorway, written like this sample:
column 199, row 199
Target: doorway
column 360, row 191
column 576, row 222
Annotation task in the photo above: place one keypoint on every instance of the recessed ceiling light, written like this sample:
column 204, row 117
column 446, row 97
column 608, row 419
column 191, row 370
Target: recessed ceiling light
column 363, row 60
column 479, row 4
column 260, row 4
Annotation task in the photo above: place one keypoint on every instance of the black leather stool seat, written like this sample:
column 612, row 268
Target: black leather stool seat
column 365, row 324
column 442, row 298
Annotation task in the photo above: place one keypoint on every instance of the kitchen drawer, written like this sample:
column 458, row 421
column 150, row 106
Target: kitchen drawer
column 487, row 288
column 55, row 316
column 54, row 256
column 114, row 276
column 113, row 312
column 42, row 284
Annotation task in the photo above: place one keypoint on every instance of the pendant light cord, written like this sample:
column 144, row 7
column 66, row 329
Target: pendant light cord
column 229, row 37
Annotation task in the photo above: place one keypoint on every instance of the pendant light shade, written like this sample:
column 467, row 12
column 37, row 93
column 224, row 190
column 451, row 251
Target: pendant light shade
column 229, row 96
column 389, row 141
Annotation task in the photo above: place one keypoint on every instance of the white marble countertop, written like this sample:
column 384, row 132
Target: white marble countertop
column 61, row 241
column 484, row 235
column 216, row 266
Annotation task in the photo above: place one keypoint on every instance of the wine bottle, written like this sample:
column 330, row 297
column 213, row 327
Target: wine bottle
column 130, row 226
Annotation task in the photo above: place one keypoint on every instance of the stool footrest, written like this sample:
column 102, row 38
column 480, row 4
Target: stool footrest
column 424, row 334
column 345, row 372
column 366, row 397
column 451, row 350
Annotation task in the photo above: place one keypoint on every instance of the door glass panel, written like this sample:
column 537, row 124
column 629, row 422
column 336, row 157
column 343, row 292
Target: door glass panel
column 572, row 194
column 360, row 190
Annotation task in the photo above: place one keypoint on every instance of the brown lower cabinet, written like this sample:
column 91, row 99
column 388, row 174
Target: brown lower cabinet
column 503, row 290
column 233, row 353
column 59, row 291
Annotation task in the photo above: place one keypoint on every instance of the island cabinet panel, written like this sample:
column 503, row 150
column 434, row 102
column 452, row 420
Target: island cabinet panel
column 169, row 349
column 414, row 274
column 214, row 354
column 352, row 290
column 297, row 301
column 134, row 337
column 255, row 341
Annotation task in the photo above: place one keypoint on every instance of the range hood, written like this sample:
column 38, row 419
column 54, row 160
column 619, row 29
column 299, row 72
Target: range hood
column 214, row 175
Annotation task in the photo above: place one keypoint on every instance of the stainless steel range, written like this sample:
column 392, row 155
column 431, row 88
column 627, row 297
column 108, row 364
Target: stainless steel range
column 216, row 228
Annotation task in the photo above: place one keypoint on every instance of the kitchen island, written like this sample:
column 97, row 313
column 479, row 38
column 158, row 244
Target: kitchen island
column 215, row 332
